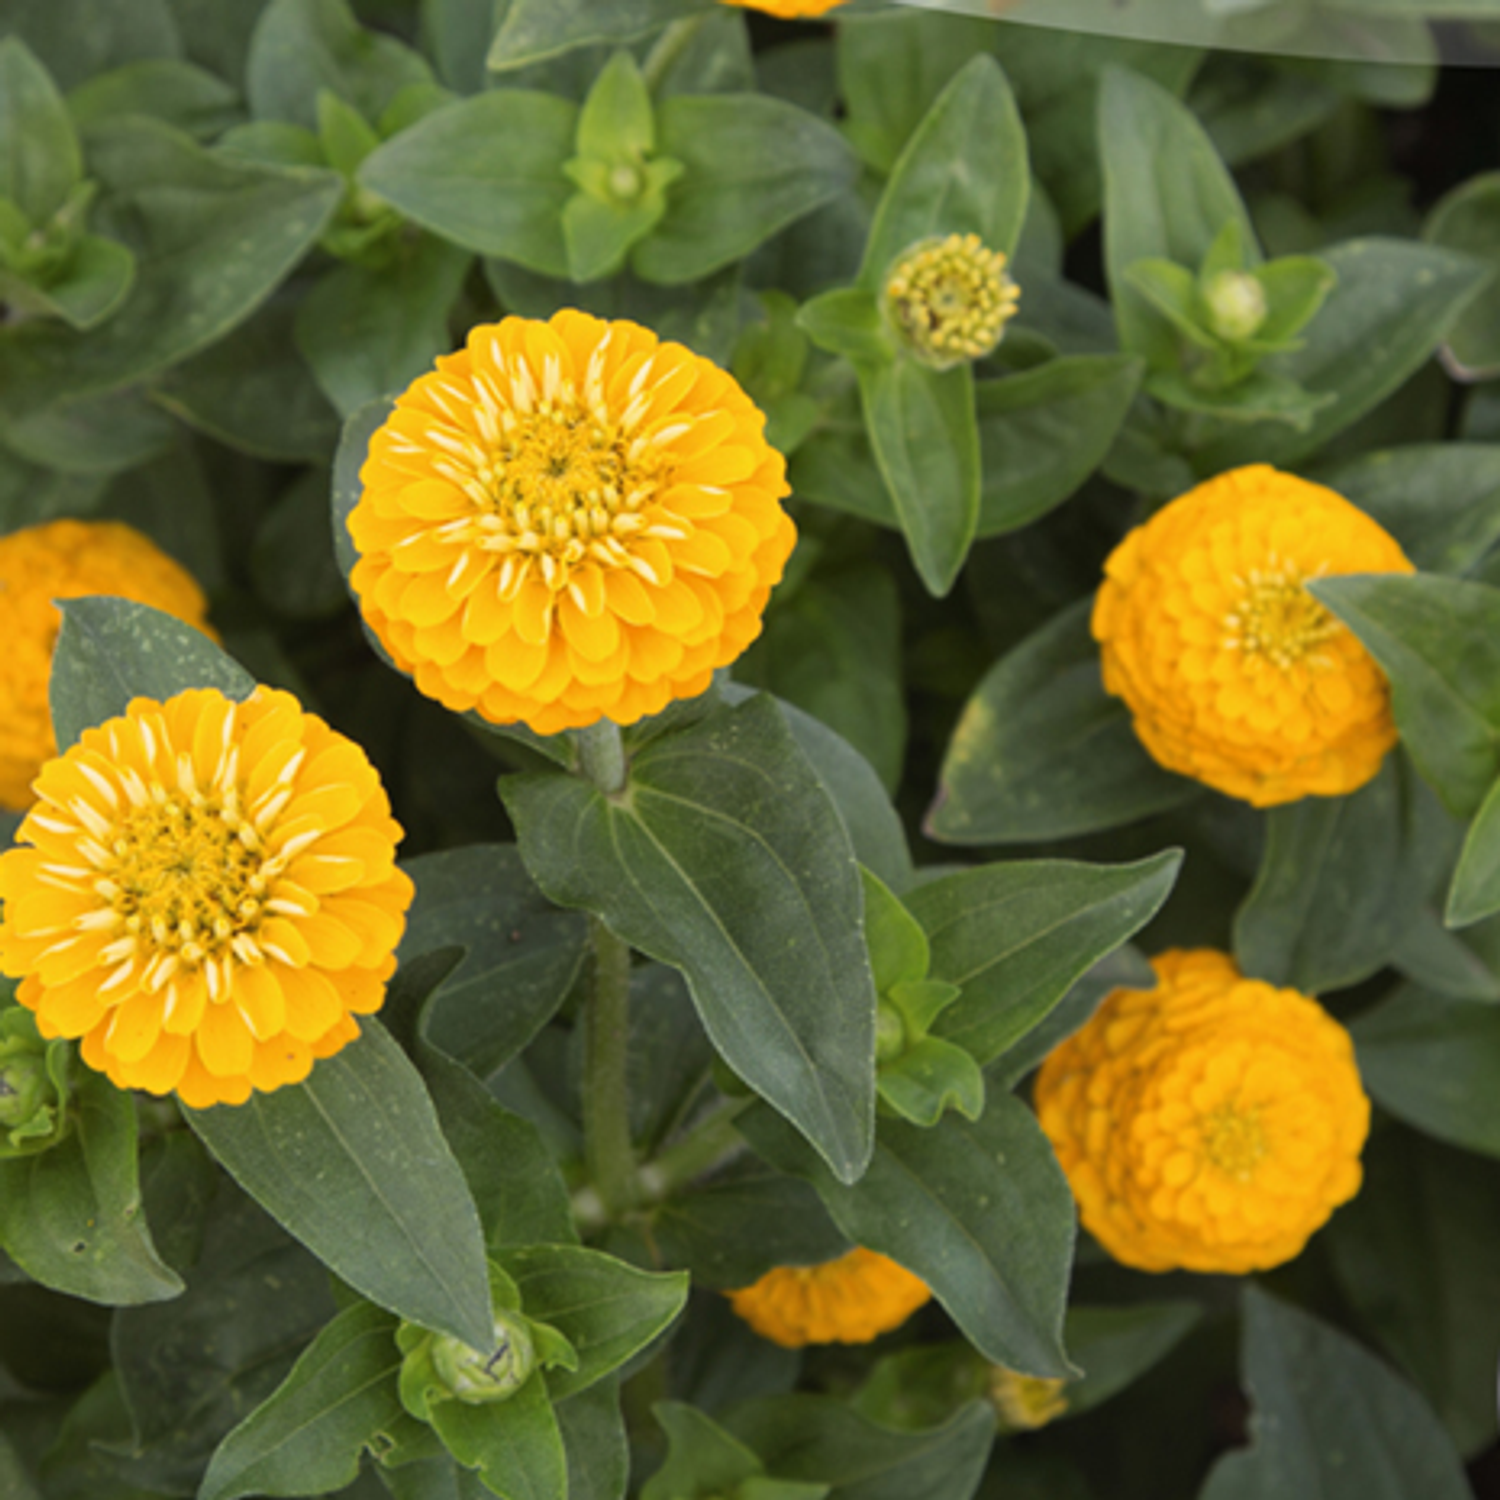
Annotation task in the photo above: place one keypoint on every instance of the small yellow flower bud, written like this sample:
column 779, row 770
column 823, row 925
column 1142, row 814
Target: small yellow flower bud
column 1025, row 1402
column 949, row 300
column 1236, row 305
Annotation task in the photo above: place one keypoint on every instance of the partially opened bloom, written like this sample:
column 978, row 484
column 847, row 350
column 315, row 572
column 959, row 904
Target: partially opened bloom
column 1211, row 1124
column 850, row 1300
column 67, row 560
column 950, row 299
column 788, row 10
column 1233, row 672
column 568, row 521
column 206, row 894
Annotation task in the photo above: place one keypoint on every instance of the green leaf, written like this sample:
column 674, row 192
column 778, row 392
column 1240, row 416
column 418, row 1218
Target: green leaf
column 302, row 46
column 1438, row 641
column 1015, row 937
column 212, row 237
column 515, row 1444
column 1327, row 906
column 753, row 893
column 1434, row 1062
column 1167, row 196
column 963, row 172
column 95, row 281
column 702, row 1458
column 535, row 30
column 94, row 435
column 253, row 391
column 930, row 1077
column 481, row 906
column 1042, row 752
column 1468, row 220
column 751, row 165
column 487, row 174
column 40, row 161
column 1330, row 1419
column 71, row 1217
column 1413, row 1253
column 979, row 1210
column 848, row 321
column 818, row 1440
column 606, row 1309
column 196, row 101
column 306, row 1439
column 112, row 650
column 368, row 332
column 1043, row 432
column 595, row 1443
column 1475, row 892
column 358, row 1144
column 898, row 946
column 1115, row 1346
column 1441, row 501
column 1394, row 303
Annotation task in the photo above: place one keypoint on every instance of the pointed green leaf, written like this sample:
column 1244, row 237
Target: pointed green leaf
column 753, row 893
column 1114, row 1346
column 979, row 1210
column 963, row 172
column 515, row 1444
column 358, row 1144
column 536, row 30
column 89, row 288
column 1330, row 1420
column 306, row 1438
column 847, row 321
column 196, row 101
column 1015, row 937
column 40, row 161
column 112, row 650
column 606, row 1310
column 1468, row 220
column 1041, row 751
column 929, row 1078
column 702, row 1458
column 1475, row 892
column 898, row 946
column 595, row 1442
column 1438, row 641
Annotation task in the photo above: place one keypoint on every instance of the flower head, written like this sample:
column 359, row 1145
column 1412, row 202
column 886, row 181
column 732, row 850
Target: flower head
column 569, row 521
column 1211, row 1124
column 206, row 894
column 788, row 10
column 67, row 560
column 950, row 299
column 1233, row 672
column 850, row 1300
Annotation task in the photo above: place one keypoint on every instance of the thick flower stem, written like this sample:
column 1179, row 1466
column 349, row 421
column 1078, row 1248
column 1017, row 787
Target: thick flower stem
column 675, row 40
column 601, row 756
column 607, row 1150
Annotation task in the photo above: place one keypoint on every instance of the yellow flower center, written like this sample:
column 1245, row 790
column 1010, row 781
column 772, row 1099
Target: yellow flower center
column 951, row 299
column 1234, row 1141
column 1275, row 617
column 557, row 479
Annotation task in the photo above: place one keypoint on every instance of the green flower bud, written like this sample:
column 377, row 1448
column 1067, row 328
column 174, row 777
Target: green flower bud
column 949, row 300
column 890, row 1033
column 478, row 1378
column 33, row 1087
column 1236, row 305
column 625, row 182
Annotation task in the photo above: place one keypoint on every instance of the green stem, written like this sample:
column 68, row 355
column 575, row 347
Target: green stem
column 601, row 756
column 709, row 1145
column 675, row 40
column 606, row 1089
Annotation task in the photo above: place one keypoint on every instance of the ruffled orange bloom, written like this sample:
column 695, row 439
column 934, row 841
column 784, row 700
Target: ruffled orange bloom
column 787, row 9
column 207, row 894
column 67, row 560
column 850, row 1300
column 1211, row 1124
column 569, row 521
column 1233, row 672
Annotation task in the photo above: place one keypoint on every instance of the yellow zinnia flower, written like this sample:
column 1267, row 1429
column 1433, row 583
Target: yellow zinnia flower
column 850, row 1300
column 67, row 560
column 1211, row 1124
column 1233, row 672
column 207, row 894
column 568, row 521
column 787, row 9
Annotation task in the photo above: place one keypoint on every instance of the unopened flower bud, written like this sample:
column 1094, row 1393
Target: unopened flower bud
column 478, row 1377
column 950, row 299
column 32, row 1113
column 625, row 182
column 1236, row 305
column 890, row 1033
column 1025, row 1402
column 23, row 1087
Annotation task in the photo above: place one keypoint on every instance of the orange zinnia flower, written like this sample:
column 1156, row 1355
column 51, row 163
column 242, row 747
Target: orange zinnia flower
column 1211, row 1124
column 787, row 9
column 67, row 560
column 569, row 521
column 850, row 1300
column 207, row 894
column 1233, row 672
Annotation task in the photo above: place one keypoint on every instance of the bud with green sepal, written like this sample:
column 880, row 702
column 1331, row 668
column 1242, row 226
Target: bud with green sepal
column 33, row 1086
column 918, row 1076
column 948, row 300
column 622, row 184
column 1229, row 315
